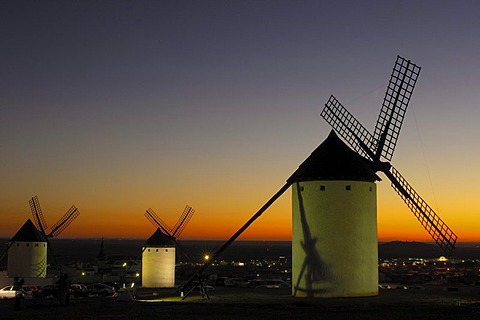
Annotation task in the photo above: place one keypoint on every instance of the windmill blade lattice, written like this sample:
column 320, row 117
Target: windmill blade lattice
column 157, row 222
column 395, row 103
column 345, row 124
column 183, row 221
column 434, row 225
column 64, row 222
column 382, row 144
column 37, row 214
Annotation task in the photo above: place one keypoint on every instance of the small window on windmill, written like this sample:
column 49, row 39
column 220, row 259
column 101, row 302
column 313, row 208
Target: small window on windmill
column 302, row 188
column 348, row 187
column 166, row 250
column 18, row 244
column 156, row 250
column 148, row 250
column 28, row 244
column 322, row 188
column 36, row 244
column 371, row 189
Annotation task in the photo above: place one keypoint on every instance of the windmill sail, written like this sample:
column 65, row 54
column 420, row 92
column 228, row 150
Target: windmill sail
column 183, row 221
column 434, row 225
column 399, row 91
column 64, row 222
column 157, row 222
column 345, row 124
column 37, row 214
column 179, row 226
column 382, row 144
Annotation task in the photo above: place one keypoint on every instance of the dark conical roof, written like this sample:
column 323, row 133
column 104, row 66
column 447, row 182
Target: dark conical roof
column 28, row 233
column 334, row 160
column 160, row 239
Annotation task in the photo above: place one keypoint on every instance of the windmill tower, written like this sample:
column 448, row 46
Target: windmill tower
column 334, row 240
column 27, row 253
column 342, row 211
column 24, row 257
column 159, row 253
column 334, row 221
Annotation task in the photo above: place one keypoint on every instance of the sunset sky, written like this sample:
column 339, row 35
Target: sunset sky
column 118, row 106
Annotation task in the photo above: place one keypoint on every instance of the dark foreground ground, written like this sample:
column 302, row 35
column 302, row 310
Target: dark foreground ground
column 236, row 303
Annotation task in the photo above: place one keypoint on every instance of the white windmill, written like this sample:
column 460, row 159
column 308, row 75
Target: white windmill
column 334, row 239
column 159, row 253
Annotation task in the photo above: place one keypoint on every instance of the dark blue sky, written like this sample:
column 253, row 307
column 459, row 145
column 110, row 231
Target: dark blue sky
column 138, row 99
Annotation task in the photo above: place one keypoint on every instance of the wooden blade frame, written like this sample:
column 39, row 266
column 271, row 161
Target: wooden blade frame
column 183, row 221
column 345, row 124
column 382, row 144
column 38, row 215
column 196, row 275
column 157, row 222
column 399, row 91
column 64, row 222
column 434, row 225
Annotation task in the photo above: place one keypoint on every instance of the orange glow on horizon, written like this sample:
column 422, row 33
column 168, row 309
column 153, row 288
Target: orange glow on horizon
column 221, row 219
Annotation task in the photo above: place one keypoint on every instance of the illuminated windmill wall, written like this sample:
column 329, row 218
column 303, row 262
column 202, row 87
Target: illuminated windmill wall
column 27, row 253
column 334, row 235
column 159, row 253
column 158, row 261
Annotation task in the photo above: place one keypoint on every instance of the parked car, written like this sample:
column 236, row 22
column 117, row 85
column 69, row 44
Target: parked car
column 114, row 285
column 220, row 282
column 78, row 290
column 275, row 284
column 32, row 291
column 10, row 292
column 51, row 290
column 255, row 283
column 100, row 289
column 236, row 282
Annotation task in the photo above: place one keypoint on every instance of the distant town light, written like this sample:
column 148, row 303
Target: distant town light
column 206, row 257
column 124, row 264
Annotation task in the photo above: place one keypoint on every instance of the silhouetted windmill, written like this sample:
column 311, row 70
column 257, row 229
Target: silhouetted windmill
column 378, row 149
column 58, row 227
column 177, row 229
column 159, row 253
column 28, row 257
column 339, row 189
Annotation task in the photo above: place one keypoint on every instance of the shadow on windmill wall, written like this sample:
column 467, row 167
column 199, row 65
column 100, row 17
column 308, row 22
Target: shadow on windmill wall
column 314, row 271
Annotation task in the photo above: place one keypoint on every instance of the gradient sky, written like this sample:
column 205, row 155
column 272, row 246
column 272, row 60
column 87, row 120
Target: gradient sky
column 118, row 106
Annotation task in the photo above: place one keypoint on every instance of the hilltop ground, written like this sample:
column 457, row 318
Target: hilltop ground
column 239, row 303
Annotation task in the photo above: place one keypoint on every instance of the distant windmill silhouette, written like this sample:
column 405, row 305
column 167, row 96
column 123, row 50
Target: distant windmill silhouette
column 58, row 227
column 159, row 253
column 35, row 239
column 174, row 232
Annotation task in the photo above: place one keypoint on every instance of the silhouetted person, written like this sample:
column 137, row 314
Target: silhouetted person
column 17, row 286
column 64, row 290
